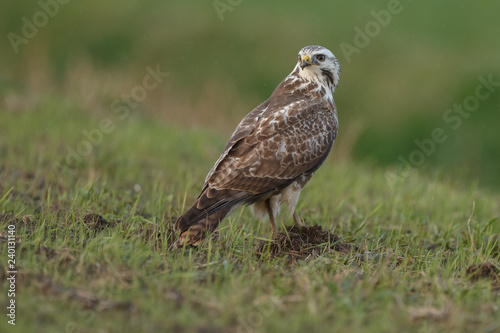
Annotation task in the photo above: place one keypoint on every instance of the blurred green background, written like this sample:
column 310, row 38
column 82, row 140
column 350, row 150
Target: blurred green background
column 225, row 57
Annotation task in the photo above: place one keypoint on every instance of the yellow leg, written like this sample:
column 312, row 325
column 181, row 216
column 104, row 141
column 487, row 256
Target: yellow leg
column 271, row 216
column 298, row 221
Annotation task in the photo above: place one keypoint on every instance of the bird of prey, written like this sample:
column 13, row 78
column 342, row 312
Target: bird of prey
column 274, row 151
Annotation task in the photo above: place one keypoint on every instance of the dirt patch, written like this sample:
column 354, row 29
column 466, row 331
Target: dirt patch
column 95, row 222
column 484, row 270
column 27, row 221
column 303, row 243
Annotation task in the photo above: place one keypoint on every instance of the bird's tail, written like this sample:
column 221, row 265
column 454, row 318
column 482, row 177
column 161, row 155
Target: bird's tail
column 204, row 216
column 196, row 232
column 210, row 209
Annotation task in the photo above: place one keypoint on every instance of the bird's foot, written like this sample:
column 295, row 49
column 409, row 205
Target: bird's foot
column 297, row 220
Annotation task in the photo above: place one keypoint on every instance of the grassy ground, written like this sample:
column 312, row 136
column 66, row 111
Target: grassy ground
column 116, row 272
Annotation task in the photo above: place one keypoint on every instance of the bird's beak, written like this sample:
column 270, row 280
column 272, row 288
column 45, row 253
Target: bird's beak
column 305, row 62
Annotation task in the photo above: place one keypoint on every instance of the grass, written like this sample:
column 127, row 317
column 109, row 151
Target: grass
column 81, row 273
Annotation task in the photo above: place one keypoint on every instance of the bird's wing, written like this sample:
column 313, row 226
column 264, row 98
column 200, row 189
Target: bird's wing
column 273, row 145
column 245, row 128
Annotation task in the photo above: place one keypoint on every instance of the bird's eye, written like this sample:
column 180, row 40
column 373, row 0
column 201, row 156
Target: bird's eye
column 320, row 57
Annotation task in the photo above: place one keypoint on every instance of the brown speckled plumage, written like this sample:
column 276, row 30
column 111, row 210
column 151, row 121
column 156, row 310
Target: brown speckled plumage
column 274, row 151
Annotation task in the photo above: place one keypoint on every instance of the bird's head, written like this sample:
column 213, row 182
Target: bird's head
column 318, row 63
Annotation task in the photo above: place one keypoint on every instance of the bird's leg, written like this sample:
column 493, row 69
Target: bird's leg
column 296, row 218
column 271, row 216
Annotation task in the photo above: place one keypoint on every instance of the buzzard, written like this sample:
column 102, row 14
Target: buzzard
column 274, row 151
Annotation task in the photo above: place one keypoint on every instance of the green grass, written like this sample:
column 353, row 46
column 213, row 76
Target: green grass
column 125, row 278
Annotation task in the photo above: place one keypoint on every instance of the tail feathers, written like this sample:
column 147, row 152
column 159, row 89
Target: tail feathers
column 197, row 231
column 190, row 217
column 209, row 202
column 209, row 209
